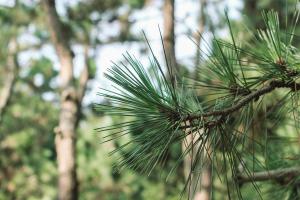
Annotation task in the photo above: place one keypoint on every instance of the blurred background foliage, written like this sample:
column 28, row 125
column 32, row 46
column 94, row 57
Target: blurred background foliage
column 28, row 159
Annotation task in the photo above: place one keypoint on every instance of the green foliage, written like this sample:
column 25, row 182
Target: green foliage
column 151, row 110
column 238, row 77
column 92, row 68
column 43, row 68
column 136, row 3
column 26, row 132
column 153, row 105
column 28, row 168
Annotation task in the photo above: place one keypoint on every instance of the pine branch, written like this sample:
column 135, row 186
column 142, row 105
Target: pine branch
column 285, row 174
column 160, row 114
column 252, row 96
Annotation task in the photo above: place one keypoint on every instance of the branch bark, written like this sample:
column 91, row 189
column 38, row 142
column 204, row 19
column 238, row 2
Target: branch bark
column 84, row 76
column 60, row 42
column 248, row 98
column 281, row 175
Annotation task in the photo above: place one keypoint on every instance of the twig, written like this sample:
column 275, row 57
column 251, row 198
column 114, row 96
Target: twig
column 247, row 99
column 282, row 175
column 207, row 125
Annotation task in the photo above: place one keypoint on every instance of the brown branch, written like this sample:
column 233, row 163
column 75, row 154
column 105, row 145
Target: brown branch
column 206, row 125
column 84, row 76
column 248, row 98
column 60, row 42
column 282, row 175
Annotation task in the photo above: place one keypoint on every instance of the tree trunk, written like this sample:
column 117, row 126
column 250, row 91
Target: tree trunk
column 65, row 143
column 201, row 26
column 60, row 42
column 169, row 35
column 197, row 173
column 169, row 42
column 70, row 103
column 204, row 184
column 11, row 70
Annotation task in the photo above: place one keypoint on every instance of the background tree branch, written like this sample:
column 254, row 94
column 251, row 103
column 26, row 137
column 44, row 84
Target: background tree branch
column 84, row 76
column 60, row 42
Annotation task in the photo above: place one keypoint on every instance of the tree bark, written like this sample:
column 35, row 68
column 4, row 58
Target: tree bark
column 203, row 191
column 169, row 45
column 201, row 26
column 169, row 35
column 11, row 71
column 200, row 180
column 197, row 173
column 280, row 175
column 84, row 75
column 60, row 42
column 70, row 104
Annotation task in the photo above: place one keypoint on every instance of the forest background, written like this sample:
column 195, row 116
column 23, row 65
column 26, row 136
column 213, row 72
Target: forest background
column 44, row 107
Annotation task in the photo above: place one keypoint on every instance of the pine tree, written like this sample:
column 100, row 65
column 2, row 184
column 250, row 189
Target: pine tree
column 219, row 110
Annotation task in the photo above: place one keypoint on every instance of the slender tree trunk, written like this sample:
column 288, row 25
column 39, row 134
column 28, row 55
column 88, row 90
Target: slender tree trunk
column 250, row 9
column 204, row 184
column 191, row 175
column 169, row 46
column 11, row 70
column 60, row 42
column 200, row 181
column 198, row 175
column 169, row 35
column 70, row 104
column 65, row 138
column 201, row 26
column 169, row 42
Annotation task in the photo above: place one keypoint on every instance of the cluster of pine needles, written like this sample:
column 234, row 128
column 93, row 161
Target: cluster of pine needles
column 235, row 83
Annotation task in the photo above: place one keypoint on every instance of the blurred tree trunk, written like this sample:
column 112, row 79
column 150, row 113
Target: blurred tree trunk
column 11, row 70
column 71, row 97
column 254, row 8
column 250, row 9
column 200, row 178
column 205, row 184
column 197, row 172
column 199, row 34
column 169, row 35
column 169, row 42
column 250, row 6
